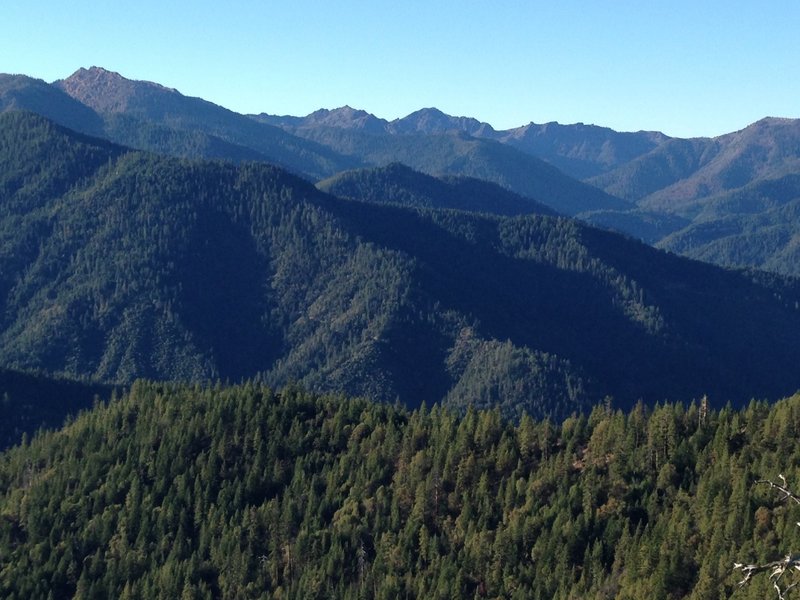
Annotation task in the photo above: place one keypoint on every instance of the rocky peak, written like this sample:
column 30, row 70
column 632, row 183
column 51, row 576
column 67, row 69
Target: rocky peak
column 346, row 117
column 106, row 91
column 433, row 120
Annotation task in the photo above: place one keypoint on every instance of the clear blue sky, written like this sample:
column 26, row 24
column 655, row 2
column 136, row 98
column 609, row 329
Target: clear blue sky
column 688, row 68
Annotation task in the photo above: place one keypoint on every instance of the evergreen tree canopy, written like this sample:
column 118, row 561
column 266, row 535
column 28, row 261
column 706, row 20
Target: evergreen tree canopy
column 117, row 264
column 215, row 491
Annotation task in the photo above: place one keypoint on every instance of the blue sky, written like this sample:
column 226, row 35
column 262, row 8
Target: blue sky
column 688, row 68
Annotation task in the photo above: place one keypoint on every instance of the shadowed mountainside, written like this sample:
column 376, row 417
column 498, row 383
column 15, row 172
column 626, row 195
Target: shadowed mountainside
column 117, row 264
column 399, row 184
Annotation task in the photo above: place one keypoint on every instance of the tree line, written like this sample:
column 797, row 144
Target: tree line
column 246, row 492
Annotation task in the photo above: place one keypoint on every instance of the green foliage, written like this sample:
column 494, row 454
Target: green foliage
column 457, row 154
column 664, row 166
column 756, row 226
column 399, row 184
column 19, row 92
column 245, row 492
column 517, row 380
column 155, row 137
column 718, row 200
column 731, row 200
column 117, row 264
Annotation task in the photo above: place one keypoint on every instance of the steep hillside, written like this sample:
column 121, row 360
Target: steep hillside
column 152, row 117
column 398, row 184
column 673, row 161
column 19, row 92
column 690, row 191
column 681, row 171
column 136, row 132
column 769, row 240
column 722, row 200
column 649, row 226
column 118, row 264
column 581, row 151
column 680, row 176
column 756, row 226
column 767, row 149
column 180, row 492
column 459, row 154
column 689, row 195
column 150, row 105
column 710, row 219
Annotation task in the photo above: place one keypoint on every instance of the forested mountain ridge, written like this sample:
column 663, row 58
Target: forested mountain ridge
column 676, row 186
column 206, row 492
column 769, row 239
column 20, row 92
column 118, row 264
column 455, row 153
column 726, row 200
column 491, row 401
column 671, row 187
column 655, row 171
column 579, row 150
column 399, row 184
column 142, row 103
column 703, row 167
column 152, row 117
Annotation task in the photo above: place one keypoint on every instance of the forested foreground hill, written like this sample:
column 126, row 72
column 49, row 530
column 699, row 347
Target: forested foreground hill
column 117, row 264
column 196, row 492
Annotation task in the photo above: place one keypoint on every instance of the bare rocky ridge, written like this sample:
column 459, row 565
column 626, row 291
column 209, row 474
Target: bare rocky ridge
column 107, row 91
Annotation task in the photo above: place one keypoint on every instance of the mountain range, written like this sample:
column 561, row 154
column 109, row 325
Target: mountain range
column 151, row 117
column 237, row 269
column 705, row 198
column 450, row 276
column 117, row 264
column 579, row 150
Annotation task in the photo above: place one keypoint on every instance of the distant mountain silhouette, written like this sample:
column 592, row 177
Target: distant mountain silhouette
column 650, row 186
column 343, row 118
column 722, row 198
column 153, row 105
column 432, row 120
column 767, row 149
column 153, row 117
column 677, row 187
column 580, row 150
